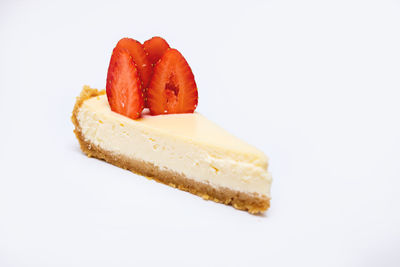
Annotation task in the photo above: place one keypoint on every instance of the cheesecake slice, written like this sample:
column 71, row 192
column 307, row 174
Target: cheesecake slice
column 185, row 151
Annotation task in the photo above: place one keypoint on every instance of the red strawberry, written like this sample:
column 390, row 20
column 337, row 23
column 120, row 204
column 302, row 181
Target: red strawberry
column 124, row 91
column 172, row 88
column 139, row 56
column 155, row 48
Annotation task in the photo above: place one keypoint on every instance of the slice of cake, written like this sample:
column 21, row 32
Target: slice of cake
column 185, row 151
column 167, row 142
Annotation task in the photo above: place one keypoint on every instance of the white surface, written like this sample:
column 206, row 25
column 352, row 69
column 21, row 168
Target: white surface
column 314, row 85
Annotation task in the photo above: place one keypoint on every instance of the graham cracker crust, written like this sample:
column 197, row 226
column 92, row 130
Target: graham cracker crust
column 251, row 202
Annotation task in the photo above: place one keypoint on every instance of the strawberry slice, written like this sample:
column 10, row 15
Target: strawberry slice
column 155, row 48
column 139, row 56
column 172, row 88
column 124, row 91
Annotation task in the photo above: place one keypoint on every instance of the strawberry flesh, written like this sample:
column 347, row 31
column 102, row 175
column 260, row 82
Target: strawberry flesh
column 155, row 48
column 140, row 58
column 172, row 88
column 124, row 91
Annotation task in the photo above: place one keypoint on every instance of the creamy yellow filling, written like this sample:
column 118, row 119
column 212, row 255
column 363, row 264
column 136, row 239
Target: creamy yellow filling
column 185, row 143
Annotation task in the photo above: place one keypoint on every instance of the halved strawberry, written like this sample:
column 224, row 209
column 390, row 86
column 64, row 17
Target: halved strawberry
column 172, row 88
column 155, row 48
column 139, row 56
column 124, row 91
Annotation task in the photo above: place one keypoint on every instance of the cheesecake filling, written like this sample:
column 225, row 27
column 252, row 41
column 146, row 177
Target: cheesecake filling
column 188, row 144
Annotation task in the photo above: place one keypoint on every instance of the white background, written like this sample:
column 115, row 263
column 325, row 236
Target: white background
column 314, row 84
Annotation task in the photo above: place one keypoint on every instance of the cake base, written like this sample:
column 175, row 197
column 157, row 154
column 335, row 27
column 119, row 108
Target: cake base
column 251, row 202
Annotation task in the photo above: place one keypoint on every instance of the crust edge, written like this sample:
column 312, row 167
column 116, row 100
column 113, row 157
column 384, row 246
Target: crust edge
column 251, row 202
